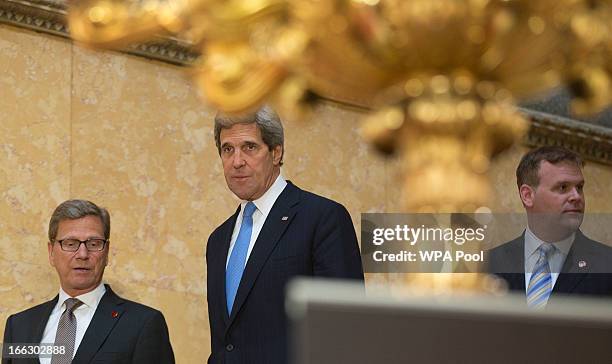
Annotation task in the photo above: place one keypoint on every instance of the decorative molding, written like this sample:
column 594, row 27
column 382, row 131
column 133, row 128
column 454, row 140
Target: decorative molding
column 167, row 50
column 48, row 16
column 593, row 142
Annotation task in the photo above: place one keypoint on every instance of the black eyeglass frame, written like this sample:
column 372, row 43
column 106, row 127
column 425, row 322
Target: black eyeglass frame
column 104, row 242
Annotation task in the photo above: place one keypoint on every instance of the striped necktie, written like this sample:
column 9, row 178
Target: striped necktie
column 66, row 332
column 540, row 284
column 235, row 266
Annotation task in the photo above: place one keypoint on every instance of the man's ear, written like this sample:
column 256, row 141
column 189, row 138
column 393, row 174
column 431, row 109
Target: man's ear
column 277, row 154
column 527, row 194
column 107, row 253
column 50, row 249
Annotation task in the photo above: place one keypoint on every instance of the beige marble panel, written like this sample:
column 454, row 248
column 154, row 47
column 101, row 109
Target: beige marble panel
column 394, row 180
column 143, row 148
column 23, row 285
column 35, row 160
column 598, row 187
column 502, row 174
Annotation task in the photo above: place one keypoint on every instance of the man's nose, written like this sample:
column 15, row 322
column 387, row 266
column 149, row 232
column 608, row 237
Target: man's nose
column 82, row 252
column 576, row 195
column 238, row 160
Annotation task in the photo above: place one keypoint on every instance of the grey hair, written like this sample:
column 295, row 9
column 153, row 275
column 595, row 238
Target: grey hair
column 76, row 209
column 267, row 120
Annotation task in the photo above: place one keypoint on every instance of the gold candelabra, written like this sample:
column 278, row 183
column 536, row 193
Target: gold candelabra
column 440, row 76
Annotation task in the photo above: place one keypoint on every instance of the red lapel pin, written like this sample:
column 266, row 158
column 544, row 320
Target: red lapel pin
column 115, row 314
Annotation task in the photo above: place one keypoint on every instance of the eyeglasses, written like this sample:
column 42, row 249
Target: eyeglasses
column 92, row 245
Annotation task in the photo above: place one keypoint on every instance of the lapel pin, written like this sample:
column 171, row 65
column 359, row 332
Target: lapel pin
column 285, row 218
column 582, row 264
column 115, row 314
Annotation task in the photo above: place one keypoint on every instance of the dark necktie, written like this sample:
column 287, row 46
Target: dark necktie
column 66, row 332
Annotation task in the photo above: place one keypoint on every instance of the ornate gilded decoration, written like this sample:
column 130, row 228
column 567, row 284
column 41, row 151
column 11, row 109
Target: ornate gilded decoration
column 441, row 76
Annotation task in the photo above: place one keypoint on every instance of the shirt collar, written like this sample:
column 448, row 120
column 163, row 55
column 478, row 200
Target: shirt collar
column 89, row 299
column 266, row 201
column 532, row 243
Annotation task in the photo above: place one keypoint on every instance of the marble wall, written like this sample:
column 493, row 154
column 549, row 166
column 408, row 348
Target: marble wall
column 132, row 135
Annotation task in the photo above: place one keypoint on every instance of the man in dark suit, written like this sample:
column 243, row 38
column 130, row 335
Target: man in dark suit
column 278, row 232
column 87, row 322
column 553, row 256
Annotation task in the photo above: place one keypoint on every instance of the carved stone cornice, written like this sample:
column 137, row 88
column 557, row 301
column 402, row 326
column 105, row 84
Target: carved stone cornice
column 593, row 142
column 48, row 16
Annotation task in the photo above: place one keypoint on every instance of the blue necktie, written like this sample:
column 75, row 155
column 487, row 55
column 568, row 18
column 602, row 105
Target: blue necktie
column 540, row 284
column 235, row 266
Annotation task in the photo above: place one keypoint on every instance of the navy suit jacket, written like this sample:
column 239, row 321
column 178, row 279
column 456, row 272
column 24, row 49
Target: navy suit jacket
column 303, row 235
column 120, row 331
column 586, row 271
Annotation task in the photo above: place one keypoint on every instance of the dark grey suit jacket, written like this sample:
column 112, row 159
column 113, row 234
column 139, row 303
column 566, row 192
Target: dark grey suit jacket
column 303, row 235
column 120, row 331
column 586, row 271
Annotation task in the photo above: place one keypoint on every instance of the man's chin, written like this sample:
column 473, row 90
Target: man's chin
column 571, row 222
column 242, row 196
column 78, row 287
column 241, row 192
column 572, row 217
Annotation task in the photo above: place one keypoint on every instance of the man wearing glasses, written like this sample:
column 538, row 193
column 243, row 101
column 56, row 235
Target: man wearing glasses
column 86, row 322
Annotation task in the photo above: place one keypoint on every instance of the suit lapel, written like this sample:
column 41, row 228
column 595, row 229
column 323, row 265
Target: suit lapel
column 276, row 223
column 516, row 257
column 572, row 274
column 107, row 315
column 219, row 265
column 41, row 320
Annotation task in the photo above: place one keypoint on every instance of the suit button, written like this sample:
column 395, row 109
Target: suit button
column 229, row 347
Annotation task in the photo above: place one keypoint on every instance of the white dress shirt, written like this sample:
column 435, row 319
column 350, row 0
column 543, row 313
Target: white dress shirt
column 263, row 206
column 556, row 257
column 83, row 314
